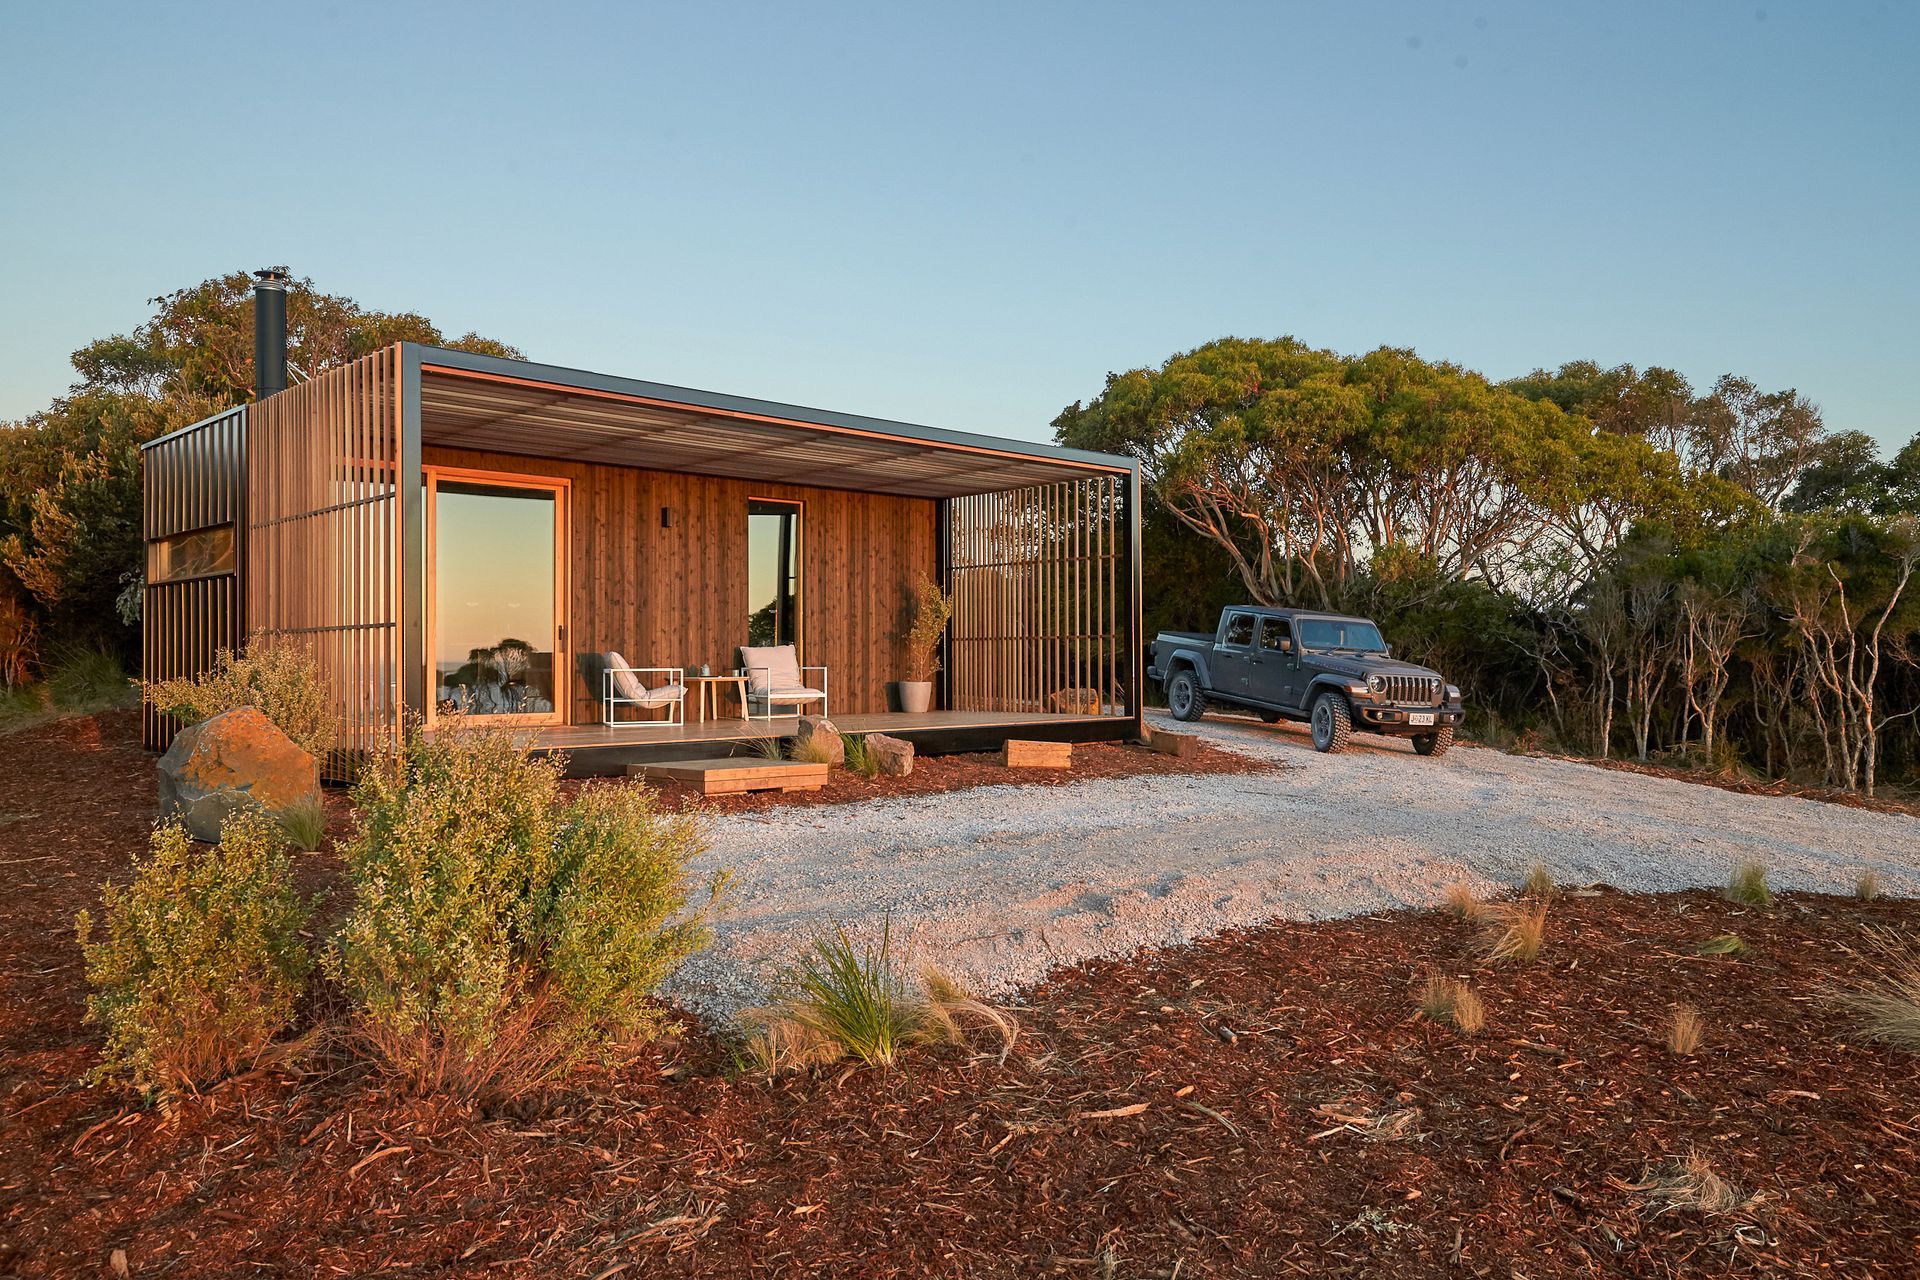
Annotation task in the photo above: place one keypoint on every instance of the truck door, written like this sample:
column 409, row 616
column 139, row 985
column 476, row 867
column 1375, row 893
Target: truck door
column 1231, row 654
column 1275, row 666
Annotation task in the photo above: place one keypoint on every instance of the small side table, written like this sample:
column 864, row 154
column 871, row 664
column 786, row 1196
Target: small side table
column 707, row 691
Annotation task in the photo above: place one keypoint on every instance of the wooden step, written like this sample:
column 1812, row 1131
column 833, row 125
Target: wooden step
column 732, row 775
column 1019, row 753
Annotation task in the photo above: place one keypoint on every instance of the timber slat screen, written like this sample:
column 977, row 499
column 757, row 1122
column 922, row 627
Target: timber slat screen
column 1039, row 586
column 191, row 484
column 323, row 542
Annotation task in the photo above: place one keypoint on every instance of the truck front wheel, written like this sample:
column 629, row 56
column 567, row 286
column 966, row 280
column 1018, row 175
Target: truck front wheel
column 1434, row 744
column 1185, row 698
column 1332, row 723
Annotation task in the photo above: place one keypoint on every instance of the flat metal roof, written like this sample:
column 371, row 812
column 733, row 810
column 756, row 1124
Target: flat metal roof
column 501, row 405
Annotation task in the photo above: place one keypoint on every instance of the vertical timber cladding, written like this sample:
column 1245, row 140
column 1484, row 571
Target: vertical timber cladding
column 1040, row 599
column 323, row 539
column 191, row 481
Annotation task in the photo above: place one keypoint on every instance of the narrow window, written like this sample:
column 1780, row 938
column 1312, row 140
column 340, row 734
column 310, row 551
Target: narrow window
column 1275, row 635
column 773, row 572
column 1240, row 629
column 194, row 555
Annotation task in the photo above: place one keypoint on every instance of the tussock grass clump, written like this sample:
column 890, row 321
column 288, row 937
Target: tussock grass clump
column 198, row 963
column 1450, row 1000
column 1538, row 882
column 1748, row 886
column 1693, row 1184
column 860, row 757
column 811, row 751
column 1463, row 903
column 1888, row 1003
column 853, row 995
column 500, row 936
column 277, row 677
column 303, row 824
column 847, row 999
column 1723, row 944
column 1867, row 887
column 1685, row 1031
column 84, row 680
column 768, row 748
column 1515, row 933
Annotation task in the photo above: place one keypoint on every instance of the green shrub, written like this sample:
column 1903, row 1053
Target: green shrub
column 499, row 937
column 1723, row 944
column 275, row 676
column 199, row 962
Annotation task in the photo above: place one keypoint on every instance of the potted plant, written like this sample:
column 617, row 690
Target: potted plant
column 930, row 608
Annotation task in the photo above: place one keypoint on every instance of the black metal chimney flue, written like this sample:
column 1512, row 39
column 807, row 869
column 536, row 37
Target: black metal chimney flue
column 269, row 332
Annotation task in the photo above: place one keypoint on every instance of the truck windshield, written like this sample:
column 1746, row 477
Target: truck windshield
column 1341, row 633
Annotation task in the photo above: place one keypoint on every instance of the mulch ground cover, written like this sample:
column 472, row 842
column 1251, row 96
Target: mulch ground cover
column 1266, row 1103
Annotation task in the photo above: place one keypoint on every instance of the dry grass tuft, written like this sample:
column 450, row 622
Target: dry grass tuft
column 1451, row 1000
column 812, row 750
column 776, row 1043
column 1685, row 1031
column 1516, row 933
column 1723, row 944
column 1539, row 882
column 1867, row 887
column 1467, row 905
column 953, row 1012
column 1693, row 1184
column 1748, row 886
column 1888, row 1003
column 768, row 748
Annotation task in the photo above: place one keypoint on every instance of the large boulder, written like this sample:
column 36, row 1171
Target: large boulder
column 812, row 728
column 238, row 759
column 894, row 756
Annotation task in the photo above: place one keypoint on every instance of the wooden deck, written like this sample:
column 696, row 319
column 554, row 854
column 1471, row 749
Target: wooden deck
column 598, row 750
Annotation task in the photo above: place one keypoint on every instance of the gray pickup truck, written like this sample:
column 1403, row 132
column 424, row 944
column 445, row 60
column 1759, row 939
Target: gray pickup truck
column 1330, row 670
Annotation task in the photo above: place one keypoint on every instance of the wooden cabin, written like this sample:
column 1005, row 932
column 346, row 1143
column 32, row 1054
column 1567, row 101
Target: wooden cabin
column 438, row 526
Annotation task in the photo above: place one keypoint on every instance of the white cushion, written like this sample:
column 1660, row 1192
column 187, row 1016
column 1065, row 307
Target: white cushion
column 791, row 693
column 626, row 684
column 661, row 695
column 775, row 666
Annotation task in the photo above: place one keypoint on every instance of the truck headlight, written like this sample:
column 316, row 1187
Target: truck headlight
column 1376, row 684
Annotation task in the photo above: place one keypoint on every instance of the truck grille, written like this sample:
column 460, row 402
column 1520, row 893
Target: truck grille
column 1415, row 690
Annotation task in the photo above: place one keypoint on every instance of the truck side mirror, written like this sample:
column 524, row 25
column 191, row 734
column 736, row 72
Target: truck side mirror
column 1286, row 645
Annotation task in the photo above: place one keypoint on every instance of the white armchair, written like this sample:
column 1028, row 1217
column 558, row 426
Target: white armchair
column 775, row 678
column 621, row 685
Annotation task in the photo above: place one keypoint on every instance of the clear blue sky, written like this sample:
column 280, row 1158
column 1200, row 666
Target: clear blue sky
column 967, row 218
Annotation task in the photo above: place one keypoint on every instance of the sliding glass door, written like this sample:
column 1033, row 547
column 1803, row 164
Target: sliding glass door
column 773, row 572
column 496, row 599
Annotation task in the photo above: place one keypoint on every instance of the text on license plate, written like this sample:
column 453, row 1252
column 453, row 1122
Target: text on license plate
column 1420, row 717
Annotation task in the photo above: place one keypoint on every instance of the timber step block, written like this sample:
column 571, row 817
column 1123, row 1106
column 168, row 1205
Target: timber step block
column 1018, row 753
column 732, row 775
column 1181, row 746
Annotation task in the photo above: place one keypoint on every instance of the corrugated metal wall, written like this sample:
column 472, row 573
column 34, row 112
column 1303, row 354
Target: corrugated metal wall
column 1040, row 596
column 191, row 480
column 323, row 538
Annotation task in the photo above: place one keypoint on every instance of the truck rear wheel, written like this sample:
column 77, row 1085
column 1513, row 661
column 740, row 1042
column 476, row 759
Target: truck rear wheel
column 1332, row 723
column 1185, row 698
column 1434, row 744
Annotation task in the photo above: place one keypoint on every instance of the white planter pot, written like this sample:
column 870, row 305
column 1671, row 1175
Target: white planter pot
column 916, row 696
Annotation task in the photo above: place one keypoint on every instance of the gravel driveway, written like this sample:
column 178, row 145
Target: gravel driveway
column 1000, row 884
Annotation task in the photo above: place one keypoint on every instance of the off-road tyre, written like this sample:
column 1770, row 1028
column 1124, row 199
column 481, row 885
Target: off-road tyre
column 1271, row 717
column 1332, row 723
column 1185, row 698
column 1434, row 744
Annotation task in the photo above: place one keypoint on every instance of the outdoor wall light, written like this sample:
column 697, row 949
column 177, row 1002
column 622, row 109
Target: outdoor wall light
column 666, row 517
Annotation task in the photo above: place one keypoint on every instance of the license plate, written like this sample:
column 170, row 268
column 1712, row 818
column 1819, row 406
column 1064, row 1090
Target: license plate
column 1420, row 717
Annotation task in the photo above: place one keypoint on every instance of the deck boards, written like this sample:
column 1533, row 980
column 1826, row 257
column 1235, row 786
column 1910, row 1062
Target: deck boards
column 575, row 736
